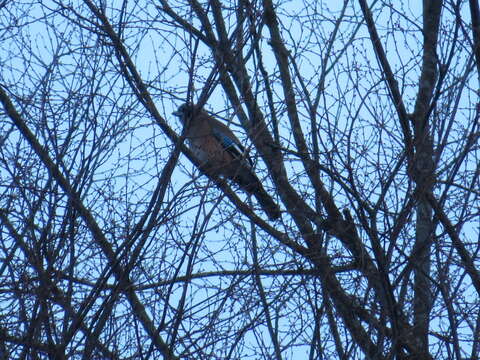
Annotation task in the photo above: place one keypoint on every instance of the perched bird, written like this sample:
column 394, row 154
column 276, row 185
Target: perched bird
column 221, row 153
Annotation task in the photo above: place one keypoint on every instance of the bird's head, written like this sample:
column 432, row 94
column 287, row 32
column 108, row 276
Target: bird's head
column 185, row 112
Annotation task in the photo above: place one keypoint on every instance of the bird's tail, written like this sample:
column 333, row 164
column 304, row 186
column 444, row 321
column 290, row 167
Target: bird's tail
column 253, row 186
column 250, row 183
column 266, row 202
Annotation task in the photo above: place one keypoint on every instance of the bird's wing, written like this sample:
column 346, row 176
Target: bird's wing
column 231, row 145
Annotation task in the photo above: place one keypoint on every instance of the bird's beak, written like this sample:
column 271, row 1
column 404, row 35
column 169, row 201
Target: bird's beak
column 177, row 113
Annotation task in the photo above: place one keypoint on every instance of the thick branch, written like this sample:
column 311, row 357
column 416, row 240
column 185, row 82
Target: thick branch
column 475, row 15
column 389, row 77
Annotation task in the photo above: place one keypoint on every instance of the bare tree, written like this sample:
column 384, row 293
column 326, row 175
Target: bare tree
column 362, row 119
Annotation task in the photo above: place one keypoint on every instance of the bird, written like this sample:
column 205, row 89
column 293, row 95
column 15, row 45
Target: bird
column 221, row 153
